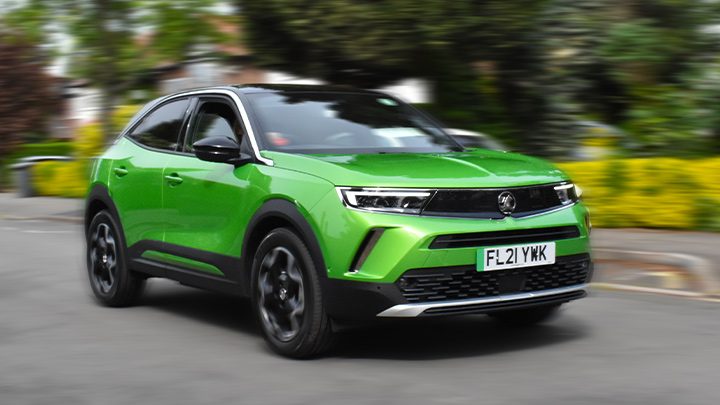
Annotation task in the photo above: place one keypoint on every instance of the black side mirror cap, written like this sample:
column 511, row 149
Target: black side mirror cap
column 220, row 149
column 241, row 160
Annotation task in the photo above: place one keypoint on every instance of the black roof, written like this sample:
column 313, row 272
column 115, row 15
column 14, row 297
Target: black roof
column 272, row 88
column 263, row 88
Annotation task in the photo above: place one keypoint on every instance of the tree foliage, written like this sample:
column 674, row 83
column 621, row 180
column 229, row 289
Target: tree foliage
column 114, row 42
column 26, row 97
column 376, row 42
column 533, row 68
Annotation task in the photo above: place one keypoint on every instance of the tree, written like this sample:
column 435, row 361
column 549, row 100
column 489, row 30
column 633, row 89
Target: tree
column 641, row 65
column 376, row 42
column 26, row 97
column 104, row 37
column 544, row 65
column 664, row 56
column 373, row 43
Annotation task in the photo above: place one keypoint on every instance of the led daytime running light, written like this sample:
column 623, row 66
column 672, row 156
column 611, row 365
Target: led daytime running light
column 568, row 193
column 402, row 201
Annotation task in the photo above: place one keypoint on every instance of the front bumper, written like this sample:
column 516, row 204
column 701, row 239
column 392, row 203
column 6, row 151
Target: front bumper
column 384, row 265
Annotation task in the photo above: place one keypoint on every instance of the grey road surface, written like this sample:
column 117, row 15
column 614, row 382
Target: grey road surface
column 186, row 346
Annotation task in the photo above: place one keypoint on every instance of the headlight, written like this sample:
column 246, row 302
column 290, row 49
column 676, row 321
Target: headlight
column 403, row 201
column 568, row 193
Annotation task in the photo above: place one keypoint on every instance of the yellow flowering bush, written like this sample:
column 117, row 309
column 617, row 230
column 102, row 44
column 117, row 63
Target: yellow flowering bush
column 70, row 179
column 62, row 179
column 651, row 193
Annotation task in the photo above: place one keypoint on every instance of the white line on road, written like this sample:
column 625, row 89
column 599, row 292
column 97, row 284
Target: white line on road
column 34, row 231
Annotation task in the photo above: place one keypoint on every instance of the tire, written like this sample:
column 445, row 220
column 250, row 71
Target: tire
column 527, row 316
column 286, row 296
column 112, row 283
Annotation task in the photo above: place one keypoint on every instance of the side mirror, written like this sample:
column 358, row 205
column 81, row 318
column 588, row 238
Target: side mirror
column 220, row 149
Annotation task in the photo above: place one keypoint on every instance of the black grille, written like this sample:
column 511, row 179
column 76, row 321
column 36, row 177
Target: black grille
column 500, row 238
column 462, row 282
column 483, row 203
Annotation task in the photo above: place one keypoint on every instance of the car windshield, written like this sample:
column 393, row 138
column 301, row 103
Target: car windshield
column 336, row 123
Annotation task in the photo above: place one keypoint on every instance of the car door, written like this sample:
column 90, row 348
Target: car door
column 204, row 202
column 136, row 177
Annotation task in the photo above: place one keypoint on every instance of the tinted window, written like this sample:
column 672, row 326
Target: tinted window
column 344, row 123
column 215, row 119
column 160, row 129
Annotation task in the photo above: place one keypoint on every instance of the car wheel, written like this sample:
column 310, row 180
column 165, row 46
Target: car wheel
column 527, row 316
column 287, row 299
column 110, row 279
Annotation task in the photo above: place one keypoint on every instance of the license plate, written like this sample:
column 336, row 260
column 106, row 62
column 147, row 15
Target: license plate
column 507, row 257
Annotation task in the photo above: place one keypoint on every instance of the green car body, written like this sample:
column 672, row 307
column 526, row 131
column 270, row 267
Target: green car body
column 179, row 215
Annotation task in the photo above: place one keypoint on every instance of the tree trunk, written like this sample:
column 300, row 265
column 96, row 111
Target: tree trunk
column 2, row 175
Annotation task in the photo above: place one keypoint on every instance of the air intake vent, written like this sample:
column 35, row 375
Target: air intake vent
column 499, row 238
column 461, row 282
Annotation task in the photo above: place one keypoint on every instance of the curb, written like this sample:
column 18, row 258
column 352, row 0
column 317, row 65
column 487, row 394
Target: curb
column 694, row 265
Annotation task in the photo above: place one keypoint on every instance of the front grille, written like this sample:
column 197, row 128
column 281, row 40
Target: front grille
column 483, row 203
column 499, row 238
column 462, row 282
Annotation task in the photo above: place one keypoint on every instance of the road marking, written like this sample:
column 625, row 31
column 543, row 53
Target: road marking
column 681, row 293
column 34, row 231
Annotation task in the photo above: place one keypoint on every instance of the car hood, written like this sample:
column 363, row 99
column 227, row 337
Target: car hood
column 459, row 169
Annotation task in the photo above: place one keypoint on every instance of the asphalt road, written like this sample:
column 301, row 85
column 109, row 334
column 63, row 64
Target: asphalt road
column 186, row 346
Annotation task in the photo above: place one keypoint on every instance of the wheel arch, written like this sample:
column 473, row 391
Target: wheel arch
column 99, row 199
column 273, row 214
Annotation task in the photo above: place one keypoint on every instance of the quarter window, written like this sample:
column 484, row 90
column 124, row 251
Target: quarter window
column 161, row 128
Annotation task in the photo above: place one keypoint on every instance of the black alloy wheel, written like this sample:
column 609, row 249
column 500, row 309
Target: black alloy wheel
column 287, row 300
column 103, row 258
column 111, row 281
column 281, row 294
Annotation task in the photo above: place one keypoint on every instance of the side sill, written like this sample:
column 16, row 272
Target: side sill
column 186, row 277
column 486, row 304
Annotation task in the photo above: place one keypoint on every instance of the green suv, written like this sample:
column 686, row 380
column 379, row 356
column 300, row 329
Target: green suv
column 329, row 205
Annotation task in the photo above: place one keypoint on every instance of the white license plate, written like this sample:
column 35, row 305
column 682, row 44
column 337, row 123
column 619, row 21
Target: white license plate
column 507, row 257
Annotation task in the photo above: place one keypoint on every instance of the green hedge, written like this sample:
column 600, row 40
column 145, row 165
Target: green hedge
column 53, row 148
column 49, row 148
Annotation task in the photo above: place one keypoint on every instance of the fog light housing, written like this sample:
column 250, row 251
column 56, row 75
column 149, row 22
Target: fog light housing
column 588, row 224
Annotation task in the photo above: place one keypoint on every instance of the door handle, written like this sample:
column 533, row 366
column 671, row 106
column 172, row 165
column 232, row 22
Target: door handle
column 173, row 179
column 120, row 171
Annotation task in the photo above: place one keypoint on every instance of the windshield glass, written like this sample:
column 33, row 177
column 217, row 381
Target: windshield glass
column 334, row 123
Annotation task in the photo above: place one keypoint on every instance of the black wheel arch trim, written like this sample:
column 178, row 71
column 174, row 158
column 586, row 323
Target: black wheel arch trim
column 285, row 211
column 100, row 193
